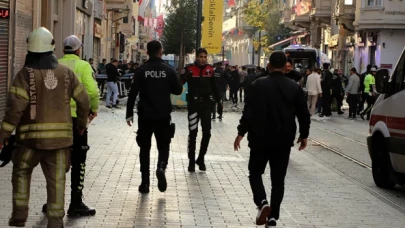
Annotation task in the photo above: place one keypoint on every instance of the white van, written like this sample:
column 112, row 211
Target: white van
column 303, row 55
column 386, row 143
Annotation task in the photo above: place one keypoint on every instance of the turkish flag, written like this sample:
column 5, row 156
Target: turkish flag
column 231, row 3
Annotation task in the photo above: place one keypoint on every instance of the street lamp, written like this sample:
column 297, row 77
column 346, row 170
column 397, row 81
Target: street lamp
column 199, row 21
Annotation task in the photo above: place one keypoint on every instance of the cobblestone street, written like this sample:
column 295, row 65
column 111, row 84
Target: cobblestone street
column 316, row 195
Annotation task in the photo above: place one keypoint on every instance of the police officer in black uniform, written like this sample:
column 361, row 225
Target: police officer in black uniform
column 154, row 81
column 202, row 90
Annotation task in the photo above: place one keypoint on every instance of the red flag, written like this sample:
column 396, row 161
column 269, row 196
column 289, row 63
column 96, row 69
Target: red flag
column 231, row 3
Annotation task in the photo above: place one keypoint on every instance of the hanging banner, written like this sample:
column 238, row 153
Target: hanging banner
column 212, row 26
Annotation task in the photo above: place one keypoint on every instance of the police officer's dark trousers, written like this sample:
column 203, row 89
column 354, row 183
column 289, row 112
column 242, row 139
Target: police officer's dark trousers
column 199, row 109
column 161, row 129
column 78, row 163
column 277, row 158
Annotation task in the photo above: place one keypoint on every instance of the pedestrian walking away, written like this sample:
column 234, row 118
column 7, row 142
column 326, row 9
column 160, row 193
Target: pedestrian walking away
column 369, row 93
column 201, row 91
column 221, row 80
column 83, row 71
column 112, row 88
column 352, row 91
column 326, row 84
column 154, row 81
column 38, row 108
column 234, row 86
column 314, row 89
column 268, row 117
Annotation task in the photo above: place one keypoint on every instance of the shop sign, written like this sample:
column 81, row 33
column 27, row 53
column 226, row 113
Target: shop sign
column 4, row 13
column 98, row 30
column 395, row 12
column 386, row 66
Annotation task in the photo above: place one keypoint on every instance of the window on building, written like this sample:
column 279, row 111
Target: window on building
column 348, row 2
column 125, row 20
column 373, row 3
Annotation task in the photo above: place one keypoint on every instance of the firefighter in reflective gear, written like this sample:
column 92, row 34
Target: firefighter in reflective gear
column 84, row 73
column 38, row 109
column 201, row 91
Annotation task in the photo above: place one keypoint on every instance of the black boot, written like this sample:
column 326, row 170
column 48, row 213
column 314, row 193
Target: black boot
column 144, row 187
column 200, row 162
column 77, row 207
column 191, row 151
column 203, row 150
column 160, row 174
column 191, row 165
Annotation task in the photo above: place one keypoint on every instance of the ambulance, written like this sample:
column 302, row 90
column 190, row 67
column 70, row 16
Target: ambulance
column 386, row 142
column 303, row 56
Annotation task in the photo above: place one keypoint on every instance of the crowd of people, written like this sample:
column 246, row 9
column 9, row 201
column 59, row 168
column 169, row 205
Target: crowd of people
column 358, row 89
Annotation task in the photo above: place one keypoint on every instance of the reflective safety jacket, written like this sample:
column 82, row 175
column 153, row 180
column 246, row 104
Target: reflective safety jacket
column 85, row 74
column 38, row 108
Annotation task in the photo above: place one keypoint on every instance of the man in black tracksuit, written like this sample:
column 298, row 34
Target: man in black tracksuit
column 201, row 91
column 326, row 84
column 154, row 81
column 268, row 117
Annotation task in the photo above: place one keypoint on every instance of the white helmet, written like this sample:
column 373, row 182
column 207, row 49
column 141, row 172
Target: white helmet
column 41, row 41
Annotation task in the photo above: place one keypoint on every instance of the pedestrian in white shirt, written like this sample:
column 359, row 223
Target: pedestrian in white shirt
column 314, row 89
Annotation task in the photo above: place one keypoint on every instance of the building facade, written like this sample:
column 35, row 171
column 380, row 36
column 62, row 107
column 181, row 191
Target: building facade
column 353, row 33
column 379, row 32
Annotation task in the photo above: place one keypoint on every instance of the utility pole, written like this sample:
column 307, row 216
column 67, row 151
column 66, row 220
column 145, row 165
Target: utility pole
column 253, row 48
column 223, row 54
column 199, row 21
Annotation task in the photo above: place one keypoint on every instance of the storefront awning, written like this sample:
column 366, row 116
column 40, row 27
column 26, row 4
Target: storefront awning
column 282, row 42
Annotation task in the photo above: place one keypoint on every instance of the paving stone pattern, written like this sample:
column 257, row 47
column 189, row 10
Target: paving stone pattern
column 316, row 196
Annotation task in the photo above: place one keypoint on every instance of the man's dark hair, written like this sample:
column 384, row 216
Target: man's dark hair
column 278, row 59
column 309, row 68
column 243, row 68
column 114, row 61
column 353, row 69
column 200, row 50
column 90, row 59
column 369, row 67
column 104, row 60
column 325, row 66
column 153, row 47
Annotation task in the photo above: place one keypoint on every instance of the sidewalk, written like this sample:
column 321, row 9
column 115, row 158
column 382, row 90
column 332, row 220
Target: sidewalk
column 315, row 195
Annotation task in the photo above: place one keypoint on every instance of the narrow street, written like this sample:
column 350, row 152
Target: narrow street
column 323, row 189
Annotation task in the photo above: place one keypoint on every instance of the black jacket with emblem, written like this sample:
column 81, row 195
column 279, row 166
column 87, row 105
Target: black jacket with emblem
column 201, row 81
column 154, row 81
